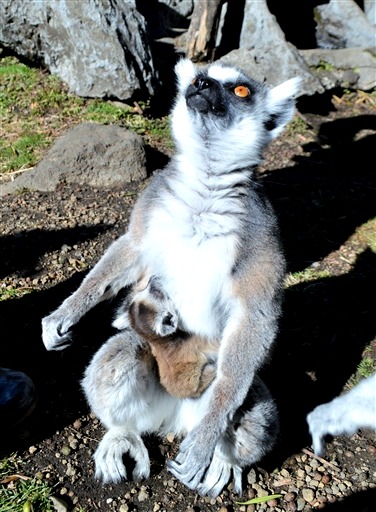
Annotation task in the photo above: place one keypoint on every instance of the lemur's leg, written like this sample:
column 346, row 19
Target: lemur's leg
column 122, row 389
column 118, row 267
column 249, row 437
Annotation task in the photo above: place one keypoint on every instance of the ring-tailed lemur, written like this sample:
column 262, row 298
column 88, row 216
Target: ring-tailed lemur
column 186, row 362
column 204, row 228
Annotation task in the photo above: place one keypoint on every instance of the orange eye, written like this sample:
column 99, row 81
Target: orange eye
column 242, row 91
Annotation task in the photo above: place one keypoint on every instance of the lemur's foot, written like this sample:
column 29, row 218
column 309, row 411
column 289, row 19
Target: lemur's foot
column 109, row 466
column 55, row 332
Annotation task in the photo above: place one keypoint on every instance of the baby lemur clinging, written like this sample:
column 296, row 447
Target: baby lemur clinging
column 204, row 227
column 186, row 362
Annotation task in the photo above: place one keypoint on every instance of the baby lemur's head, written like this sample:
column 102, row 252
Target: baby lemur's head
column 229, row 111
column 149, row 311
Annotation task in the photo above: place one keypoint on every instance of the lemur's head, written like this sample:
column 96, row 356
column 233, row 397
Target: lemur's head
column 221, row 104
column 151, row 311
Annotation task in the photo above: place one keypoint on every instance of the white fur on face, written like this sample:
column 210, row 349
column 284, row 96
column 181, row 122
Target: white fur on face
column 284, row 91
column 277, row 96
column 223, row 73
column 225, row 141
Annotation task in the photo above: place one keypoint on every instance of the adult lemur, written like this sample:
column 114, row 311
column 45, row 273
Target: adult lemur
column 204, row 228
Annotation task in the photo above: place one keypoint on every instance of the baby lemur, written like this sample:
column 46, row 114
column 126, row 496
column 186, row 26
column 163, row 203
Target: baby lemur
column 205, row 229
column 186, row 362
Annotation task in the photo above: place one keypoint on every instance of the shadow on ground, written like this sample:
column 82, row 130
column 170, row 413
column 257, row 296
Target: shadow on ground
column 328, row 322
column 325, row 196
column 55, row 374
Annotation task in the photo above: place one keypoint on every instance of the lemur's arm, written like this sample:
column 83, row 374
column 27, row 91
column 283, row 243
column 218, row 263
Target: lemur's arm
column 249, row 333
column 118, row 267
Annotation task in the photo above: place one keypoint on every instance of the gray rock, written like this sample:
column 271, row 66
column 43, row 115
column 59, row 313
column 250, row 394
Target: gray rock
column 267, row 49
column 182, row 7
column 370, row 10
column 263, row 44
column 92, row 154
column 343, row 24
column 348, row 67
column 99, row 48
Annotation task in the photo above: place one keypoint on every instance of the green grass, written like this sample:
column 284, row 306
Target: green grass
column 19, row 493
column 13, row 293
column 305, row 276
column 298, row 125
column 366, row 234
column 103, row 112
column 365, row 368
column 36, row 107
column 324, row 66
column 23, row 153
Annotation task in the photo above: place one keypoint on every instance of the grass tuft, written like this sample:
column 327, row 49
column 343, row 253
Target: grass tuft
column 19, row 493
column 305, row 276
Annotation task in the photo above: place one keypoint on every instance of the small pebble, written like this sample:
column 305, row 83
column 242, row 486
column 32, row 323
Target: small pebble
column 143, row 495
column 308, row 495
column 300, row 504
column 289, row 496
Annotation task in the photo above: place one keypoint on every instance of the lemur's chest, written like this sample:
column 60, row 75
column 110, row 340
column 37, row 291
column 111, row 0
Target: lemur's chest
column 193, row 252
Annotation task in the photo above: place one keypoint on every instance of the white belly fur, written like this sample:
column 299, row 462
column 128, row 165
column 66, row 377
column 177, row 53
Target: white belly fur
column 194, row 269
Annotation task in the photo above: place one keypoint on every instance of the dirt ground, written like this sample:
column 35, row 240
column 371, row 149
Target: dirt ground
column 321, row 180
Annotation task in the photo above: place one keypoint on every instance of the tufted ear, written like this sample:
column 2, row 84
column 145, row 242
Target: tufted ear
column 185, row 73
column 281, row 105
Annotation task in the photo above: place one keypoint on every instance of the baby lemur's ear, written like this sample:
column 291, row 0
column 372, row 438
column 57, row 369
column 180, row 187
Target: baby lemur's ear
column 281, row 105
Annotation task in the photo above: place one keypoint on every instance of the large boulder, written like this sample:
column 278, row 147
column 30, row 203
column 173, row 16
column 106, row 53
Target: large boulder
column 91, row 154
column 99, row 48
column 265, row 54
column 267, row 50
column 370, row 10
column 343, row 24
column 352, row 68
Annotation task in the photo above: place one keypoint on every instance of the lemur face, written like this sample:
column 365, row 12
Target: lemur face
column 152, row 312
column 220, row 101
column 210, row 94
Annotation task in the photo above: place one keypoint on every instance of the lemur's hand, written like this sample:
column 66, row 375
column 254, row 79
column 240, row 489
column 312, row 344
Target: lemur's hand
column 55, row 331
column 194, row 457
